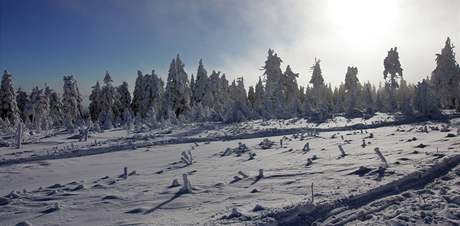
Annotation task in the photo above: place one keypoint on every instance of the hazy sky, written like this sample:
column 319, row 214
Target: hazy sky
column 40, row 41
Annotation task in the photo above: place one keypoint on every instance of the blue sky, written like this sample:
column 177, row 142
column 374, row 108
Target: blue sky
column 40, row 41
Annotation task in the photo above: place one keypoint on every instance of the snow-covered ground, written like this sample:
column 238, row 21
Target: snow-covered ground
column 88, row 189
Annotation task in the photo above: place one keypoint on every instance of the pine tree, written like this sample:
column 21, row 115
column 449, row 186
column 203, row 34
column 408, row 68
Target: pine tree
column 446, row 77
column 352, row 88
column 319, row 95
column 71, row 102
column 237, row 109
column 368, row 98
column 393, row 69
column 274, row 103
column 8, row 106
column 55, row 108
column 41, row 109
column 95, row 102
column 123, row 102
column 251, row 96
column 107, row 101
column 404, row 98
column 425, row 100
column 259, row 96
column 22, row 98
column 177, row 96
column 291, row 92
column 201, row 84
column 148, row 94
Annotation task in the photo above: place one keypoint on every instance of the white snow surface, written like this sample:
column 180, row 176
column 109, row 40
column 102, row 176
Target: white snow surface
column 88, row 190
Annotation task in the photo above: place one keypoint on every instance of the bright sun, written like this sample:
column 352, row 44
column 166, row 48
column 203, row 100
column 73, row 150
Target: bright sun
column 356, row 21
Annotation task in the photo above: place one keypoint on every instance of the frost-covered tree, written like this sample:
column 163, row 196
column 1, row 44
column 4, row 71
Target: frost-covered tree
column 291, row 92
column 71, row 102
column 123, row 102
column 368, row 98
column 107, row 102
column 22, row 98
column 8, row 106
column 237, row 109
column 319, row 95
column 391, row 73
column 446, row 77
column 274, row 96
column 404, row 98
column 259, row 96
column 177, row 95
column 251, row 96
column 41, row 109
column 200, row 85
column 55, row 108
column 148, row 94
column 352, row 89
column 425, row 100
column 95, row 102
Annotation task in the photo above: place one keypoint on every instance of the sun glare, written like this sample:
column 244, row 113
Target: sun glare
column 361, row 21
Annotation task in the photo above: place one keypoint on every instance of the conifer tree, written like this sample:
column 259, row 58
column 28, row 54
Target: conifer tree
column 446, row 77
column 8, row 106
column 392, row 72
column 71, row 102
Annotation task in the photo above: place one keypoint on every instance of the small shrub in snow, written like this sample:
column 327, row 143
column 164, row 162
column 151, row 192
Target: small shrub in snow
column 267, row 144
column 187, row 158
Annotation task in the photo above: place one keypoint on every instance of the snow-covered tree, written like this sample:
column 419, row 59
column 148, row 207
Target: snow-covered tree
column 8, row 106
column 41, row 109
column 71, row 102
column 22, row 98
column 404, row 98
column 368, row 98
column 237, row 110
column 425, row 100
column 177, row 95
column 259, row 96
column 199, row 88
column 320, row 96
column 391, row 73
column 352, row 89
column 55, row 108
column 123, row 102
column 107, row 102
column 291, row 92
column 95, row 102
column 148, row 94
column 274, row 96
column 446, row 77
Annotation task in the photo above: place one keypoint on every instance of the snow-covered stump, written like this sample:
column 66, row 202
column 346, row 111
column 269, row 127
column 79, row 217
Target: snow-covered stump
column 382, row 158
column 342, row 152
column 306, row 147
column 187, row 186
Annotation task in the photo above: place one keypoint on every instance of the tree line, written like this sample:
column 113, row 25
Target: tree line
column 211, row 97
